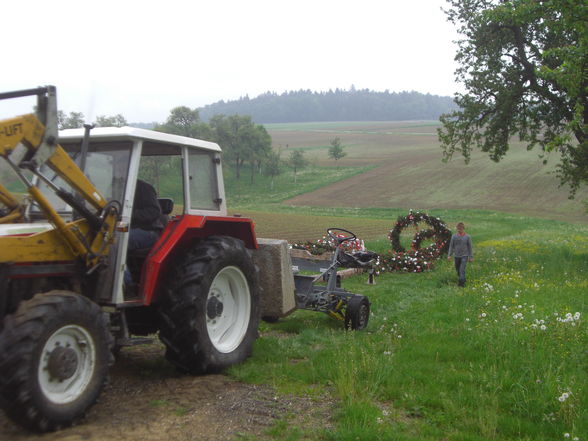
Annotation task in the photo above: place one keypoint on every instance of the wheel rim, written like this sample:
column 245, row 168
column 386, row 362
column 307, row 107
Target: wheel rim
column 363, row 315
column 67, row 364
column 228, row 309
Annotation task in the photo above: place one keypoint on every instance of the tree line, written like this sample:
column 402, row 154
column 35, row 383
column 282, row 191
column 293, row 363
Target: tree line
column 75, row 120
column 244, row 143
column 337, row 105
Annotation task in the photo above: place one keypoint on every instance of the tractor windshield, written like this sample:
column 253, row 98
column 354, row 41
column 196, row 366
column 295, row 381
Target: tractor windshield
column 107, row 166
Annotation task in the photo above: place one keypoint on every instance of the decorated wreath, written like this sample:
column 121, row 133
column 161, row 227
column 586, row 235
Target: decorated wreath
column 417, row 259
column 438, row 231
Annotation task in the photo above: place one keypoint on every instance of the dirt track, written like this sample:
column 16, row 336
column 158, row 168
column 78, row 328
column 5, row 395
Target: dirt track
column 147, row 400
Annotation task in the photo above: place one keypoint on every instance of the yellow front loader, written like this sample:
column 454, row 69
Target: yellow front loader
column 55, row 340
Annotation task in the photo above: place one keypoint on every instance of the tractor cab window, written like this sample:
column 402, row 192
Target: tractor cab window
column 203, row 180
column 107, row 167
column 161, row 166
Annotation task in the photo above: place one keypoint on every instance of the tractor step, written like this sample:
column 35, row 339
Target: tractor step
column 134, row 341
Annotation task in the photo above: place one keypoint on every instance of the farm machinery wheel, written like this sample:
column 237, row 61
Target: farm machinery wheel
column 357, row 313
column 54, row 360
column 210, row 311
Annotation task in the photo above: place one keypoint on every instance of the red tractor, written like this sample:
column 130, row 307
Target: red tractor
column 65, row 222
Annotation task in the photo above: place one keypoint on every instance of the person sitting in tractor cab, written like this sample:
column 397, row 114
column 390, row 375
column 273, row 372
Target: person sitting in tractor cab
column 146, row 221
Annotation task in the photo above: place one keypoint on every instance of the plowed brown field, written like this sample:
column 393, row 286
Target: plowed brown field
column 410, row 173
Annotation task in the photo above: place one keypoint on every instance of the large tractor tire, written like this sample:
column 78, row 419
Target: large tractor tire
column 210, row 310
column 54, row 360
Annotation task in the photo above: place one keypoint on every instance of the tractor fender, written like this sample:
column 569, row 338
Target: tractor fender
column 179, row 236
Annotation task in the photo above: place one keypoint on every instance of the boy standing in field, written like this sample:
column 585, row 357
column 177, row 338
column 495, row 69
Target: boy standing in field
column 460, row 247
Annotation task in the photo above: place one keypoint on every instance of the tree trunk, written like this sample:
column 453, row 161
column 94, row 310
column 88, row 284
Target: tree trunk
column 157, row 175
column 237, row 169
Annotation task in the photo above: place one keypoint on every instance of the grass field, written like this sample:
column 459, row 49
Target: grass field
column 408, row 173
column 503, row 359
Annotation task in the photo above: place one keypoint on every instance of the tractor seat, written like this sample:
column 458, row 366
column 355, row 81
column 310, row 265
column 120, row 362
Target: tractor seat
column 359, row 259
column 135, row 258
column 365, row 256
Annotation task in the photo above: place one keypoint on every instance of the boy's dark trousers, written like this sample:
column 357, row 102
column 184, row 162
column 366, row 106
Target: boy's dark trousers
column 460, row 267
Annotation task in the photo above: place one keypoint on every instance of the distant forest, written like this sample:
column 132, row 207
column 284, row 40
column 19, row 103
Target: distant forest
column 338, row 105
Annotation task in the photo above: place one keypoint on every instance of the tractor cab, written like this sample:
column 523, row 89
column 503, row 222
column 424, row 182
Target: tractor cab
column 185, row 173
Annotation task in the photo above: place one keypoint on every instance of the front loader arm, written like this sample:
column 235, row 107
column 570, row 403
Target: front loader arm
column 26, row 142
column 16, row 136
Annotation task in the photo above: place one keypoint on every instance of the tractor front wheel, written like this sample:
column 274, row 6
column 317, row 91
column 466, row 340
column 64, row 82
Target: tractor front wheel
column 210, row 311
column 54, row 360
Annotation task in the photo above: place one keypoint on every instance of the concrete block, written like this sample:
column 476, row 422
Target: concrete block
column 276, row 277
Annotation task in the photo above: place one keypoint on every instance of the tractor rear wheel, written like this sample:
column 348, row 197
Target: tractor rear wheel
column 357, row 313
column 54, row 360
column 210, row 311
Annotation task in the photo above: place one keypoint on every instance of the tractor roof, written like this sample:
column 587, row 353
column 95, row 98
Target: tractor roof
column 132, row 133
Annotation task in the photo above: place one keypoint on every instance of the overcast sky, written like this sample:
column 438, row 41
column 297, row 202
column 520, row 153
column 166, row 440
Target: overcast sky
column 142, row 58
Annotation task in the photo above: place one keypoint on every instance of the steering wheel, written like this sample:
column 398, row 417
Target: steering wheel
column 332, row 232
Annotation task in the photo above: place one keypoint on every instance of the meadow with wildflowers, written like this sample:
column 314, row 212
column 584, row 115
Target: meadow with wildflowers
column 505, row 358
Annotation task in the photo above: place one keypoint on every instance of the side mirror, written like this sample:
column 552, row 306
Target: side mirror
column 166, row 204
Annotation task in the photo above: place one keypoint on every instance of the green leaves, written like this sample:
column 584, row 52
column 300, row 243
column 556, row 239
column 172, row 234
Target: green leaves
column 185, row 122
column 111, row 121
column 74, row 120
column 523, row 65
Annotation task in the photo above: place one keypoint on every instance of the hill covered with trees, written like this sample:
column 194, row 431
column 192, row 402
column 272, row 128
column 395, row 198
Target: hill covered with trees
column 338, row 105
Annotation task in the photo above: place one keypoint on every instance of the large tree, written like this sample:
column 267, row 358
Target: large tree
column 185, row 122
column 525, row 70
column 241, row 140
